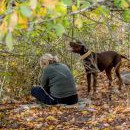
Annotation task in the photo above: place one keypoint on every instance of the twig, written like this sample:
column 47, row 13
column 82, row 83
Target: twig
column 93, row 6
column 13, row 54
column 4, row 79
column 92, row 19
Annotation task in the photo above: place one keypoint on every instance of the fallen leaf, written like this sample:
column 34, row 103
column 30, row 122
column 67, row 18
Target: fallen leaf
column 51, row 118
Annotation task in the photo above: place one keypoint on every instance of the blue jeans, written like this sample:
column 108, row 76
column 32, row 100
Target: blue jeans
column 41, row 95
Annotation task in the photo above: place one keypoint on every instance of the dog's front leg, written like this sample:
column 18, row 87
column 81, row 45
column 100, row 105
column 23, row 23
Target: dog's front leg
column 95, row 81
column 89, row 81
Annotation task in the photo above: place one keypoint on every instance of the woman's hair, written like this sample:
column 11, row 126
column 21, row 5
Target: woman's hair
column 47, row 59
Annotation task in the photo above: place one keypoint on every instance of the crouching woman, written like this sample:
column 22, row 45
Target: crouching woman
column 57, row 84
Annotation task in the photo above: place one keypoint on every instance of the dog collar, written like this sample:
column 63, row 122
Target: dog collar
column 85, row 55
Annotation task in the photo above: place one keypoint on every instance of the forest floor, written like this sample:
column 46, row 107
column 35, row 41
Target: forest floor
column 95, row 113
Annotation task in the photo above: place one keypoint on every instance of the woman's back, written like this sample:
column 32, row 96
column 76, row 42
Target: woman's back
column 60, row 80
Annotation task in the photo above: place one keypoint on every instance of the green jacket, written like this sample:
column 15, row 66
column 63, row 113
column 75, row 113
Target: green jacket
column 57, row 79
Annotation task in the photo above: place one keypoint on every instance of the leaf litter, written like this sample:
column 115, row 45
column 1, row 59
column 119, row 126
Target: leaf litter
column 91, row 113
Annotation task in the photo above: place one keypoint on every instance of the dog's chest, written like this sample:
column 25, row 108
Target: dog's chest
column 90, row 63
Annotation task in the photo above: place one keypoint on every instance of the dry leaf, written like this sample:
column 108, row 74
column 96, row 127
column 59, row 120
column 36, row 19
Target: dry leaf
column 50, row 3
column 74, row 8
column 51, row 118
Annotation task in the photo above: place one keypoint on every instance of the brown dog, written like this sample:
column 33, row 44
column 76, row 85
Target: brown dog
column 95, row 62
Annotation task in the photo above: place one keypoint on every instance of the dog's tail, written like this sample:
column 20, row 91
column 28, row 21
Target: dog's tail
column 122, row 56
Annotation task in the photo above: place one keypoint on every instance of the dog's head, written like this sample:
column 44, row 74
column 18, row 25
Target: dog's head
column 78, row 47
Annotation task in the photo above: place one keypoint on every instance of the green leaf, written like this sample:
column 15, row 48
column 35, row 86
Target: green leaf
column 61, row 8
column 67, row 2
column 5, row 74
column 104, row 10
column 85, row 4
column 1, row 36
column 9, row 41
column 78, row 3
column 117, row 2
column 121, row 3
column 65, row 22
column 124, row 4
column 25, row 11
column 59, row 29
column 75, row 73
column 126, row 15
column 50, row 25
